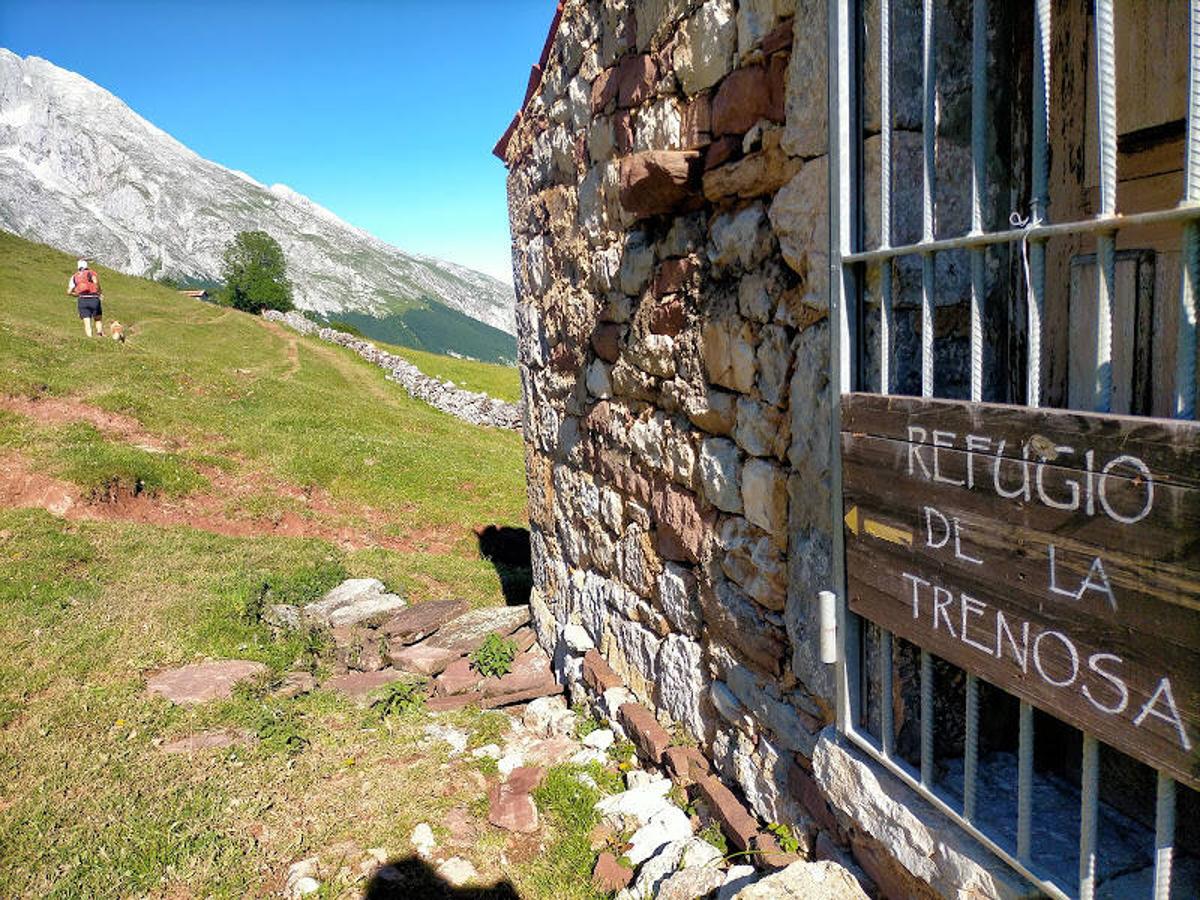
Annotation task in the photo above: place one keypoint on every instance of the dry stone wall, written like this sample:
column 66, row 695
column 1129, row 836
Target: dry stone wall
column 470, row 406
column 667, row 196
column 668, row 190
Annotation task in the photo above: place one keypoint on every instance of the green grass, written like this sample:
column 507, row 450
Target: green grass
column 90, row 806
column 221, row 380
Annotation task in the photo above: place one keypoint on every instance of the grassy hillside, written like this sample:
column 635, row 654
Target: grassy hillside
column 212, row 460
column 436, row 328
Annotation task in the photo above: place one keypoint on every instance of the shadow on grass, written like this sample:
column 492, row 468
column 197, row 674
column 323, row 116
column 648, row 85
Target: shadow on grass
column 411, row 878
column 507, row 549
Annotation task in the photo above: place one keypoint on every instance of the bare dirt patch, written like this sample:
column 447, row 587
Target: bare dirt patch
column 65, row 411
column 217, row 511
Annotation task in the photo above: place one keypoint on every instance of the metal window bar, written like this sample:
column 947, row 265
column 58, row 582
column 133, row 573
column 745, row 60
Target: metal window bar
column 847, row 257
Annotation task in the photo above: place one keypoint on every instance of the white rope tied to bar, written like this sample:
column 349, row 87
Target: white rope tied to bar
column 1016, row 220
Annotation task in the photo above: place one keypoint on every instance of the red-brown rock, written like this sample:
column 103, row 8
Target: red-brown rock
column 623, row 132
column 510, row 805
column 635, row 80
column 802, row 785
column 524, row 638
column 548, row 688
column 742, row 99
column 780, row 38
column 604, row 91
column 737, row 823
column 610, row 876
column 680, row 525
column 721, row 151
column 458, row 678
column 668, row 317
column 696, row 130
column 673, row 275
column 659, row 181
column 201, row 682
column 451, row 702
column 643, row 729
column 685, row 764
column 597, row 673
column 421, row 659
column 777, row 87
column 606, row 341
column 358, row 685
column 530, row 670
column 770, row 854
column 417, row 622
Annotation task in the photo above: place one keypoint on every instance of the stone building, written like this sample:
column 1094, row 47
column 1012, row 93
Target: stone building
column 669, row 207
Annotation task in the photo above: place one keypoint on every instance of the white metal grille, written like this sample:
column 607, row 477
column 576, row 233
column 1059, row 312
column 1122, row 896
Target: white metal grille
column 853, row 264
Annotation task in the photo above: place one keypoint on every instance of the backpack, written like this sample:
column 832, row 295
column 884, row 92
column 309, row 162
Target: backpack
column 86, row 282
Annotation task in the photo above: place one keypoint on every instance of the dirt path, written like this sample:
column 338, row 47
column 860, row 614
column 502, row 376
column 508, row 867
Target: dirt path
column 216, row 511
column 363, row 377
column 220, row 510
column 63, row 411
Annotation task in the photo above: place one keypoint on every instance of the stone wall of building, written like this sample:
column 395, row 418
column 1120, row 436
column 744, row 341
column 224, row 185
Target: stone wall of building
column 668, row 205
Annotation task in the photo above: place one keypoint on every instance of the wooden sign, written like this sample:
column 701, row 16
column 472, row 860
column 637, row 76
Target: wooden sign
column 1054, row 554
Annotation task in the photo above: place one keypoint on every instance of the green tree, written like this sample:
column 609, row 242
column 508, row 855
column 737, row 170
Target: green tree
column 255, row 273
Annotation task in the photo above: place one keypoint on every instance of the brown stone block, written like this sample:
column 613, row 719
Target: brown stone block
column 733, row 616
column 659, row 181
column 802, row 785
column 780, row 38
column 770, row 854
column 742, row 99
column 890, row 877
column 455, row 701
column 610, row 876
column 598, row 674
column 682, row 527
column 643, row 729
column 549, row 688
column 721, row 151
column 685, row 764
column 668, row 317
column 606, row 341
column 635, row 80
column 604, row 91
column 623, row 132
column 736, row 821
column 777, row 87
column 696, row 128
column 672, row 276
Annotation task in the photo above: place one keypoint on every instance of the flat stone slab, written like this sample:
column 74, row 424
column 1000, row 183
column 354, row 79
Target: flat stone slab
column 468, row 631
column 530, row 669
column 422, row 659
column 358, row 685
column 369, row 611
column 459, row 678
column 353, row 602
column 419, row 621
column 208, row 740
column 201, row 682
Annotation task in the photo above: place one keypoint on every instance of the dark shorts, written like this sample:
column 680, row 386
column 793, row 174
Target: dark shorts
column 89, row 307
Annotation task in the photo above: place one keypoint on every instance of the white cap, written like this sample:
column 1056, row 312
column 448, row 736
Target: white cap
column 81, row 264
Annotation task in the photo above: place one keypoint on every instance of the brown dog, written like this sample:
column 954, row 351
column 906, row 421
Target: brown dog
column 117, row 330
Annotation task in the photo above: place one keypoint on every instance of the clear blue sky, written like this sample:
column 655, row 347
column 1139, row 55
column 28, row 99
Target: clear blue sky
column 384, row 112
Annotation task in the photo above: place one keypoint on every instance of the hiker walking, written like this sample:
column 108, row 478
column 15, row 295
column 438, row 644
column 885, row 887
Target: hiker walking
column 85, row 287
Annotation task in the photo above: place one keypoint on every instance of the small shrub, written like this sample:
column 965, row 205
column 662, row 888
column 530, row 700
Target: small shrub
column 622, row 753
column 399, row 698
column 494, row 657
column 279, row 731
column 714, row 835
column 586, row 723
column 787, row 835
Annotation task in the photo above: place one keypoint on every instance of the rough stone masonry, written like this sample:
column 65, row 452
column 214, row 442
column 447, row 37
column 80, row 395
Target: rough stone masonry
column 668, row 205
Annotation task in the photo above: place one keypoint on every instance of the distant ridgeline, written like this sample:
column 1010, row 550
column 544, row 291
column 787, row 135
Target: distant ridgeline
column 433, row 327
